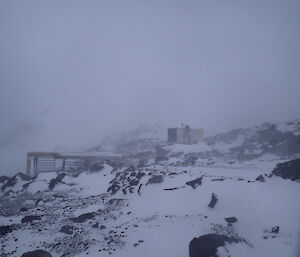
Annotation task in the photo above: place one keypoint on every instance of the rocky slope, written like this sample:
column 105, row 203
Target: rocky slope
column 195, row 200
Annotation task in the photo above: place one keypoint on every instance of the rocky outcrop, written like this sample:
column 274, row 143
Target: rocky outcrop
column 155, row 179
column 56, row 180
column 206, row 245
column 30, row 218
column 37, row 253
column 288, row 170
column 84, row 217
column 5, row 230
column 127, row 181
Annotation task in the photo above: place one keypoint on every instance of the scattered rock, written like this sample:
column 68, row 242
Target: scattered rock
column 30, row 218
column 3, row 179
column 26, row 185
column 213, row 201
column 260, row 178
column 288, row 170
column 9, row 183
column 173, row 188
column 67, row 229
column 275, row 229
column 155, row 179
column 24, row 177
column 194, row 183
column 5, row 230
column 56, row 180
column 114, row 188
column 218, row 179
column 231, row 219
column 37, row 253
column 206, row 245
column 126, row 180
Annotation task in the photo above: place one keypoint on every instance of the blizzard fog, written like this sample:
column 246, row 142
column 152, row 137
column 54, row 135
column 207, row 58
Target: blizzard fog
column 72, row 72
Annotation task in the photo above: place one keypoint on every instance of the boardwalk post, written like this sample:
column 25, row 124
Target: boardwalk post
column 28, row 165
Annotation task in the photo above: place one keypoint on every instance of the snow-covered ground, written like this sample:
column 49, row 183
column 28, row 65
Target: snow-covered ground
column 153, row 221
column 157, row 206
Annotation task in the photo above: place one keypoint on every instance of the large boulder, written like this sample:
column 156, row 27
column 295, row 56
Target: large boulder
column 155, row 179
column 56, row 180
column 213, row 201
column 206, row 245
column 83, row 217
column 30, row 218
column 37, row 253
column 5, row 230
column 194, row 183
column 288, row 170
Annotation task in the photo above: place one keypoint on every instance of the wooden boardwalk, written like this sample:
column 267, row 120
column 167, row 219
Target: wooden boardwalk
column 54, row 161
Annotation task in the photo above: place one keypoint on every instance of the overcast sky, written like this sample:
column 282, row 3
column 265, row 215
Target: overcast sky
column 81, row 69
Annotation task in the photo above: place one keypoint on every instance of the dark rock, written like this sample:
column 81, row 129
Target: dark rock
column 5, row 230
column 9, row 183
column 37, row 253
column 213, row 201
column 218, row 179
column 83, row 217
column 206, row 245
column 114, row 201
column 30, row 218
column 23, row 209
column 140, row 174
column 67, row 229
column 102, row 227
column 231, row 219
column 260, row 178
column 139, row 189
column 275, row 229
column 173, row 188
column 114, row 188
column 155, row 179
column 134, row 182
column 56, row 180
column 3, row 179
column 24, row 177
column 26, row 185
column 194, row 183
column 288, row 170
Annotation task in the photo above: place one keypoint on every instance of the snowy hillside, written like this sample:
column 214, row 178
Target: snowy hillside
column 179, row 200
column 281, row 139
